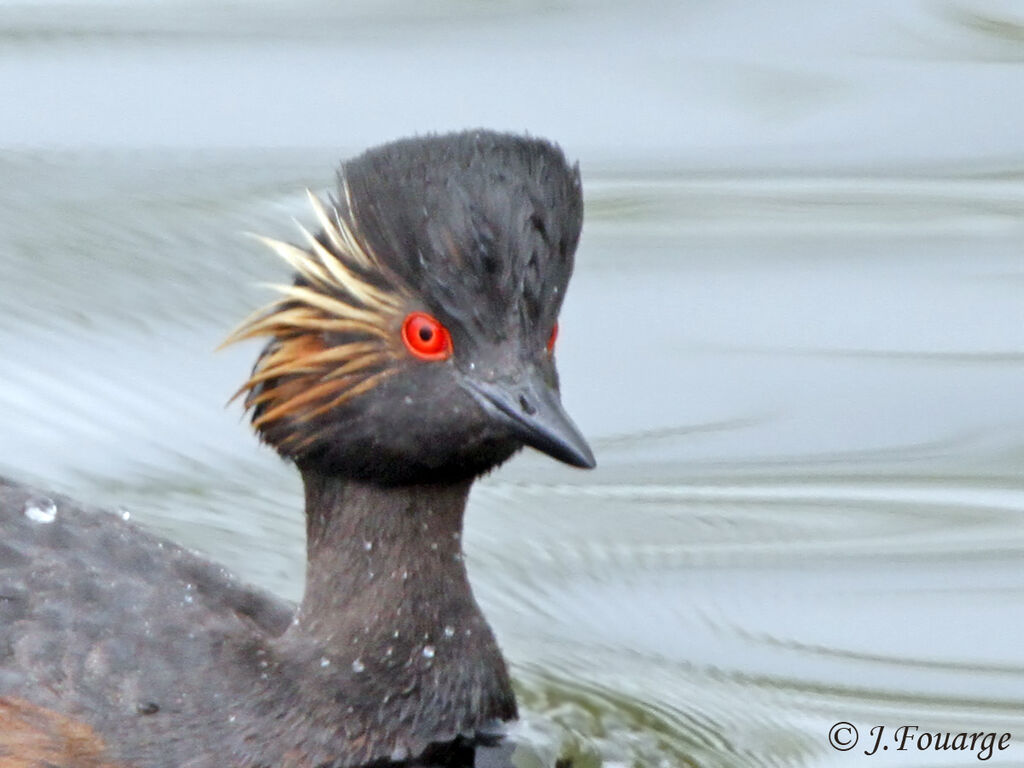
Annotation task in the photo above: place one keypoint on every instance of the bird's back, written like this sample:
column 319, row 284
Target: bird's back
column 116, row 629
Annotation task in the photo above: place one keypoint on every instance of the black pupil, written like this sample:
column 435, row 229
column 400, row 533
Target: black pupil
column 426, row 333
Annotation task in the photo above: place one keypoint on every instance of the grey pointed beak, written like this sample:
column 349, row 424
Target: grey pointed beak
column 533, row 410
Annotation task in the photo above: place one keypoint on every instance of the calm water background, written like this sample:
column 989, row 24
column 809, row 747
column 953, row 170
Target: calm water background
column 795, row 336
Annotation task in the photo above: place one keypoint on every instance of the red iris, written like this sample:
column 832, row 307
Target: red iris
column 425, row 337
column 552, row 339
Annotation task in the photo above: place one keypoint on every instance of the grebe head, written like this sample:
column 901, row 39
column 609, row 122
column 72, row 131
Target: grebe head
column 416, row 344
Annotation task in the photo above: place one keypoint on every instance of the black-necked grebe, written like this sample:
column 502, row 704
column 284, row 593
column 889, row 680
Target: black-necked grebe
column 412, row 353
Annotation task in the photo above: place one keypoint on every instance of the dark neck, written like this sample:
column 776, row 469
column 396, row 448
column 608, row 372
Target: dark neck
column 389, row 615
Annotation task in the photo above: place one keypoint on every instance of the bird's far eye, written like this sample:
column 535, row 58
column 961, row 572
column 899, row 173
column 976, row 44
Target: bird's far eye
column 425, row 337
column 552, row 339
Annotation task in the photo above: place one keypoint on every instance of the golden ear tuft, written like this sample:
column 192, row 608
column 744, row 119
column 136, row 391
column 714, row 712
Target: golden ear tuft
column 334, row 332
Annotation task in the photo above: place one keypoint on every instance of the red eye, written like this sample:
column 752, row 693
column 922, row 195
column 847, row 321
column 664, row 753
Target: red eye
column 425, row 337
column 552, row 339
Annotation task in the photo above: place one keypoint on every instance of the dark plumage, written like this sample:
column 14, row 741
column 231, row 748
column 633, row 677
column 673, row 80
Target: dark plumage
column 411, row 354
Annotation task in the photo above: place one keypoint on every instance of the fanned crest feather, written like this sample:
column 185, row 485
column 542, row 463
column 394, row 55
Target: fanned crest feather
column 334, row 331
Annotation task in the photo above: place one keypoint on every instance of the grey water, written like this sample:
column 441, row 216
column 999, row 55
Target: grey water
column 795, row 336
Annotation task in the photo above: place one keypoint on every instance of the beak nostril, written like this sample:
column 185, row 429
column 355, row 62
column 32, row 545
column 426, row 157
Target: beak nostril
column 527, row 407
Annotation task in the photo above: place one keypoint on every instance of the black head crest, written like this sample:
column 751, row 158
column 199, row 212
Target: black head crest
column 482, row 224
